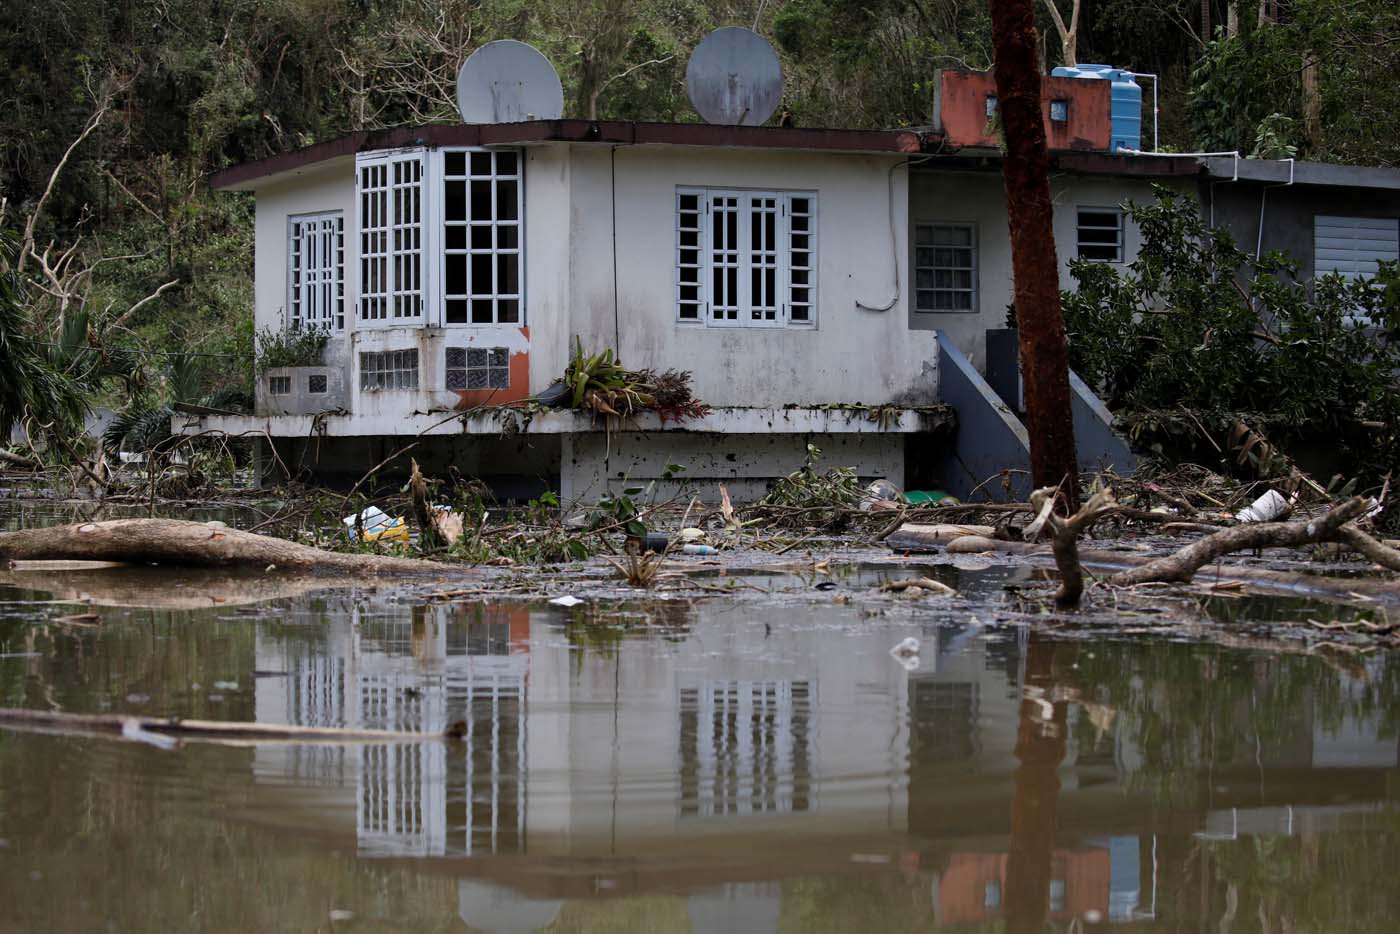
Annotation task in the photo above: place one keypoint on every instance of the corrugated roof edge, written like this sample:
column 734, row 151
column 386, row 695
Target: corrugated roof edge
column 617, row 132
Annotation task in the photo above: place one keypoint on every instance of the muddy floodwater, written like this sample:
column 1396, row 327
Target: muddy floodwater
column 755, row 761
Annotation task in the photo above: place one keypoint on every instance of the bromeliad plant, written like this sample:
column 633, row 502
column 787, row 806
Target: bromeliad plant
column 599, row 383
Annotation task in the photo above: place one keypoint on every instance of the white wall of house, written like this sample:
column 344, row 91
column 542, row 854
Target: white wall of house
column 325, row 187
column 850, row 355
column 978, row 198
column 599, row 264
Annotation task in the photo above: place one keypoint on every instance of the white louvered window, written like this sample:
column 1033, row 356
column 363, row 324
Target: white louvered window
column 746, row 258
column 316, row 271
column 1354, row 247
column 390, row 205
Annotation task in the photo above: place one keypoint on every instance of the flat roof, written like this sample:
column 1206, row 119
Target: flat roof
column 1282, row 171
column 916, row 141
column 248, row 175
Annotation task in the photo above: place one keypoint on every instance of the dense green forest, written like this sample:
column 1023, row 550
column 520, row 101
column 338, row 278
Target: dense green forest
column 136, row 280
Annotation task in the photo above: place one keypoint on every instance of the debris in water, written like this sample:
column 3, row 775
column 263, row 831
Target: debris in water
column 906, row 647
column 915, row 586
column 1272, row 505
column 566, row 601
column 131, row 729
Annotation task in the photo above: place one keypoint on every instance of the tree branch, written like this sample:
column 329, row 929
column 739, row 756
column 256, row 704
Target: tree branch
column 27, row 243
column 1182, row 565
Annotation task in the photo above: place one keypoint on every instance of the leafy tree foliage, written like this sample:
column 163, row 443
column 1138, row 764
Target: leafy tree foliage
column 1196, row 324
column 1327, row 67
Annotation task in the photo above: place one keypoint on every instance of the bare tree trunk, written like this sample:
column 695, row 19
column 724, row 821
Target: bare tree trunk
column 1069, row 35
column 1039, row 318
column 177, row 543
column 1232, row 19
column 1312, row 104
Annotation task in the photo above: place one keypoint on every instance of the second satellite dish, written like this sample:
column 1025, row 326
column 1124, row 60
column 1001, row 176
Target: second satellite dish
column 734, row 78
column 507, row 82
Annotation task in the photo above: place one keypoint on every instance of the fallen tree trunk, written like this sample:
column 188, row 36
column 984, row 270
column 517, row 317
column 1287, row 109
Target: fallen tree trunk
column 177, row 543
column 1182, row 565
column 123, row 725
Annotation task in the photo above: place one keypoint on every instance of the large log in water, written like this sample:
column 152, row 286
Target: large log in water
column 176, row 543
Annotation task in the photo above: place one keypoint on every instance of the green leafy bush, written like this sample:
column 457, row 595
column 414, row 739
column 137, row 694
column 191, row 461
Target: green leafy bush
column 300, row 347
column 1196, row 324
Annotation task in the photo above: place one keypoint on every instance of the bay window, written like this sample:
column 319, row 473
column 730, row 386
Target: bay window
column 441, row 237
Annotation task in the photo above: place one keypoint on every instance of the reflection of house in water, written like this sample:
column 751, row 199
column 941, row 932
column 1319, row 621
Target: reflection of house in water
column 577, row 751
column 417, row 670
column 717, row 758
column 745, row 747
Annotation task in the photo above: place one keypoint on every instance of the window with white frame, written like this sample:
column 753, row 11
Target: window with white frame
column 745, row 258
column 482, row 200
column 391, row 239
column 388, row 369
column 1099, row 234
column 316, row 271
column 945, row 267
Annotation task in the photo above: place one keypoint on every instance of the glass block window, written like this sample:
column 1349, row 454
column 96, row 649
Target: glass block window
column 316, row 384
column 1100, row 234
column 390, row 204
column 945, row 267
column 482, row 202
column 478, row 368
column 279, row 385
column 745, row 258
column 316, row 271
column 388, row 369
column 1059, row 111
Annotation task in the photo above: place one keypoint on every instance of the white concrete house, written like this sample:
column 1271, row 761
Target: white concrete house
column 815, row 283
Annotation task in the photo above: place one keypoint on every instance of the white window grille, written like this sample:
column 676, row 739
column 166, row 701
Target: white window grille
column 945, row 267
column 690, row 261
column 388, row 369
column 478, row 368
column 391, row 239
column 802, row 270
column 746, row 258
column 482, row 206
column 1099, row 235
column 316, row 271
column 746, row 748
column 279, row 385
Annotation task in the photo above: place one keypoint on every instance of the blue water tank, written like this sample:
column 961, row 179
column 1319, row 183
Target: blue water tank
column 1125, row 106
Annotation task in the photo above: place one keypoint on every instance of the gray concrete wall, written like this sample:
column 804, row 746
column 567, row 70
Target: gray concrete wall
column 979, row 199
column 596, row 464
column 990, row 438
column 1288, row 213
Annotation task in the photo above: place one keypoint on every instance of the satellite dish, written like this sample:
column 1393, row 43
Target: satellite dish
column 734, row 78
column 506, row 82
